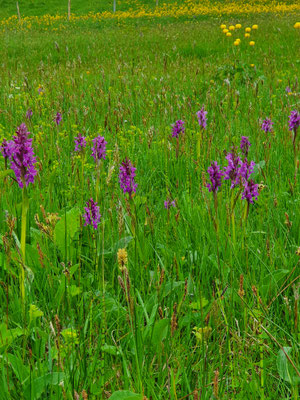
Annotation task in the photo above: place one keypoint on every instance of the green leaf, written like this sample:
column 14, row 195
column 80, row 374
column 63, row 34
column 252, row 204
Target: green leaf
column 20, row 370
column 258, row 167
column 74, row 290
column 284, row 367
column 198, row 305
column 7, row 336
column 66, row 228
column 125, row 395
column 34, row 312
column 171, row 286
column 123, row 243
column 34, row 390
column 110, row 349
column 160, row 332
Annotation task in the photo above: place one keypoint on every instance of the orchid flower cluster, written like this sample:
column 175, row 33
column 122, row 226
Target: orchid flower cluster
column 92, row 214
column 178, row 128
column 20, row 153
column 238, row 172
column 98, row 149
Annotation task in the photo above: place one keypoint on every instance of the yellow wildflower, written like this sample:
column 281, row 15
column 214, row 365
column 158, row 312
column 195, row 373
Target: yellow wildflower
column 122, row 258
column 252, row 43
column 248, row 29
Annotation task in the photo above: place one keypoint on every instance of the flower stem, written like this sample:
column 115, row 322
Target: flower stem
column 233, row 218
column 198, row 146
column 23, row 244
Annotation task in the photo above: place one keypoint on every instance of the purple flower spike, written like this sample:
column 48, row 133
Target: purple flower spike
column 247, row 169
column 92, row 215
column 5, row 149
column 233, row 171
column 178, row 128
column 215, row 175
column 245, row 145
column 202, row 120
column 267, row 125
column 80, row 142
column 20, row 153
column 294, row 120
column 99, row 148
column 250, row 191
column 168, row 204
column 126, row 177
column 29, row 113
column 288, row 89
column 58, row 118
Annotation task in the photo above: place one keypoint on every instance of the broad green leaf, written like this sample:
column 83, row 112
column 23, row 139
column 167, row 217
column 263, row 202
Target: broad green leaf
column 20, row 370
column 36, row 388
column 123, row 243
column 198, row 305
column 66, row 229
column 110, row 349
column 258, row 167
column 170, row 286
column 160, row 332
column 73, row 269
column 284, row 367
column 7, row 336
column 125, row 395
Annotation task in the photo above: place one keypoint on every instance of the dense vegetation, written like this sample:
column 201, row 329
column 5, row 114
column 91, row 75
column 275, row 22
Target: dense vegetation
column 179, row 292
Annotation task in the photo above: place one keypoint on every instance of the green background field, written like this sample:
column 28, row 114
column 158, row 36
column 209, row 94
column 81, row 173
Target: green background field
column 129, row 81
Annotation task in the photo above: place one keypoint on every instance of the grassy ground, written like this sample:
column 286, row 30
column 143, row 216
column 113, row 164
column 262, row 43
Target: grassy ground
column 37, row 7
column 207, row 306
column 79, row 7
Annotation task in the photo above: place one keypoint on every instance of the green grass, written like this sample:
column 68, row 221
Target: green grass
column 129, row 83
column 79, row 7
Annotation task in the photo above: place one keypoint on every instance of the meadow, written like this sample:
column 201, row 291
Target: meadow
column 182, row 282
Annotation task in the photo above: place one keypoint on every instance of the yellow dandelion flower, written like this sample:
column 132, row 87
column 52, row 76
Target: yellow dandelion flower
column 223, row 26
column 248, row 29
column 247, row 35
column 238, row 26
column 252, row 43
column 228, row 34
column 252, row 65
column 231, row 28
column 254, row 27
column 225, row 30
column 236, row 43
column 297, row 25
